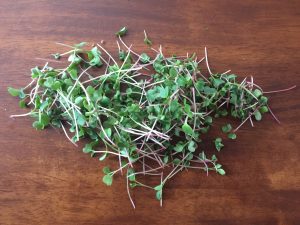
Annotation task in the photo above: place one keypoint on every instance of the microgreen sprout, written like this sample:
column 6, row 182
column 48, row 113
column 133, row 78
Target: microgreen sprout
column 149, row 111
column 122, row 32
column 218, row 144
column 147, row 41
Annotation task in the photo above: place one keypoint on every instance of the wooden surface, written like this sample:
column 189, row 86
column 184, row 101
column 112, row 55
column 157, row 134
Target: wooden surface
column 45, row 180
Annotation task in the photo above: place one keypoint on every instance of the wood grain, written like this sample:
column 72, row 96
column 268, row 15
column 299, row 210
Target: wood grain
column 46, row 180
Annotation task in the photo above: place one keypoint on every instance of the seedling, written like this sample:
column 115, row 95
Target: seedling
column 149, row 111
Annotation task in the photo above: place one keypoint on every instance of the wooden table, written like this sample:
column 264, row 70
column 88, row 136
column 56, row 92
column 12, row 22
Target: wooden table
column 45, row 180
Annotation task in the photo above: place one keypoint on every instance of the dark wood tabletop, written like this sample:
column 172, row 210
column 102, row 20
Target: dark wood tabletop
column 46, row 180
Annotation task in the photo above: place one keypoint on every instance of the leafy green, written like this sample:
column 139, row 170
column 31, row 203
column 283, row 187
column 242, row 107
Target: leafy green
column 149, row 111
column 38, row 125
column 232, row 135
column 145, row 58
column 221, row 171
column 227, row 128
column 218, row 144
column 13, row 91
column 107, row 179
column 257, row 115
column 187, row 129
column 122, row 32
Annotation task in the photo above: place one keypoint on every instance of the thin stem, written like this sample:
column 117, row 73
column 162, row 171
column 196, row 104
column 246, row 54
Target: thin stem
column 206, row 59
column 282, row 90
column 277, row 120
column 128, row 192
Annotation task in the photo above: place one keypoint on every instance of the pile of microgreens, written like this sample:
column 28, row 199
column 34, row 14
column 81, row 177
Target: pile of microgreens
column 149, row 111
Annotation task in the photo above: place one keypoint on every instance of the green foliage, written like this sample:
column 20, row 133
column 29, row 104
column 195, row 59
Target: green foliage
column 13, row 91
column 257, row 115
column 192, row 146
column 187, row 129
column 227, row 128
column 107, row 179
column 122, row 32
column 145, row 58
column 38, row 125
column 144, row 108
column 147, row 41
column 231, row 135
column 221, row 171
column 218, row 144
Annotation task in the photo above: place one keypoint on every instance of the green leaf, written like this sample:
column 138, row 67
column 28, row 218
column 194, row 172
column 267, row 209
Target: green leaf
column 106, row 132
column 257, row 93
column 101, row 158
column 72, row 70
column 204, row 130
column 192, row 146
column 130, row 174
column 94, row 57
column 104, row 101
column 107, row 179
column 217, row 82
column 263, row 100
column 227, row 128
column 158, row 195
column 145, row 58
column 202, row 155
column 199, row 85
column 218, row 144
column 187, row 129
column 122, row 32
column 209, row 91
column 22, row 94
column 106, row 170
column 208, row 120
column 22, row 104
column 158, row 66
column 257, row 115
column 174, row 106
column 44, row 119
column 158, row 187
column 166, row 159
column 214, row 158
column 187, row 109
column 176, row 161
column 90, row 90
column 122, row 55
column 147, row 41
column 35, row 72
column 179, row 147
column 221, row 171
column 173, row 72
column 80, row 119
column 56, row 85
column 44, row 105
column 231, row 135
column 38, row 125
column 96, row 61
column 163, row 92
column 49, row 82
column 74, row 59
column 88, row 148
column 263, row 109
column 13, row 91
column 218, row 166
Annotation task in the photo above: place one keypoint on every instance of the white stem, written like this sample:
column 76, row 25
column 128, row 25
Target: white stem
column 206, row 59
